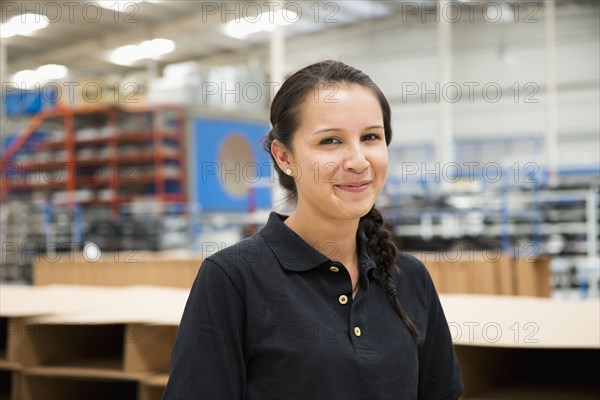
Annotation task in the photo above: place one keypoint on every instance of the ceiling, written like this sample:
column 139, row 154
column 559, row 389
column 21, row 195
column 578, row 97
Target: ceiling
column 82, row 35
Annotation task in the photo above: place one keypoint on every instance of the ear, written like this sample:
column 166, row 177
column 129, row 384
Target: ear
column 282, row 155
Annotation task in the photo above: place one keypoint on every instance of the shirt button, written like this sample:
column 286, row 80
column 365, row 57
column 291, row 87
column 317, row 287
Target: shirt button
column 343, row 299
column 333, row 268
column 356, row 331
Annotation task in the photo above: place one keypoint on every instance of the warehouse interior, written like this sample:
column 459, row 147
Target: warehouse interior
column 131, row 149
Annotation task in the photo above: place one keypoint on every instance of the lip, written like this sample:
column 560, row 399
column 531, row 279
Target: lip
column 355, row 187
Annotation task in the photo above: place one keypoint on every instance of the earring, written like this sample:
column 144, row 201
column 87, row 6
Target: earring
column 288, row 171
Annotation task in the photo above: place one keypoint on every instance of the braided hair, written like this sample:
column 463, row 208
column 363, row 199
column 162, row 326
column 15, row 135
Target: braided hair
column 383, row 251
column 285, row 117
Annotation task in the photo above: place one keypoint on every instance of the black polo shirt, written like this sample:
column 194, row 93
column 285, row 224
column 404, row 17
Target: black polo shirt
column 273, row 318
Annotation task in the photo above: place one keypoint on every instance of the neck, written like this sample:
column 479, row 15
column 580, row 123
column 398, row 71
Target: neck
column 334, row 238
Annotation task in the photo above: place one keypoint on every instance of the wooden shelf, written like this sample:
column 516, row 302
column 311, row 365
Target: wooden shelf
column 34, row 387
column 157, row 380
column 97, row 368
column 9, row 365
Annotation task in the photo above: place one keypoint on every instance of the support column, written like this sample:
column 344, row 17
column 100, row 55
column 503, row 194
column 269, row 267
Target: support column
column 3, row 75
column 551, row 139
column 444, row 146
column 277, row 50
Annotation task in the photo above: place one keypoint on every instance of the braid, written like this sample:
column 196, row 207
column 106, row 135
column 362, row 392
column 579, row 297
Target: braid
column 383, row 251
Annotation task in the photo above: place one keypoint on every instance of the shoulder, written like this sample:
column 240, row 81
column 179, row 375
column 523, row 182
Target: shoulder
column 240, row 260
column 413, row 269
column 414, row 282
column 241, row 255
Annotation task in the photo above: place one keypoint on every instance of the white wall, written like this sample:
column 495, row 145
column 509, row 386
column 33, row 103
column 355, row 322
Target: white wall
column 397, row 53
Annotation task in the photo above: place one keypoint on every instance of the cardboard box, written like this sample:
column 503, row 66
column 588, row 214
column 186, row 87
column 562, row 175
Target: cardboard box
column 532, row 277
column 37, row 386
column 3, row 338
column 8, row 384
column 525, row 373
column 149, row 348
column 74, row 342
column 22, row 302
column 456, row 276
column 115, row 351
column 505, row 276
column 434, row 265
column 109, row 332
column 482, row 276
column 18, row 303
column 10, row 351
column 483, row 273
column 152, row 388
column 168, row 268
column 81, row 349
column 525, row 347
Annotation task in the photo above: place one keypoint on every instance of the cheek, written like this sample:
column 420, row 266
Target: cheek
column 379, row 162
column 320, row 168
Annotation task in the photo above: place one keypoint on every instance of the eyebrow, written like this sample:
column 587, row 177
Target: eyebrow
column 327, row 130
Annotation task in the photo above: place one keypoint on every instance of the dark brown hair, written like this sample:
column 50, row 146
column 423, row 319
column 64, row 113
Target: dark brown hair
column 285, row 119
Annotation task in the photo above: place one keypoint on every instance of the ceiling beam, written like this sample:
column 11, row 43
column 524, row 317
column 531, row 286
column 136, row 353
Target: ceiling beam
column 95, row 49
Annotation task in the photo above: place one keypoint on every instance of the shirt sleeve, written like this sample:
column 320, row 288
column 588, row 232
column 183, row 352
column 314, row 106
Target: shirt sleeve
column 439, row 372
column 208, row 355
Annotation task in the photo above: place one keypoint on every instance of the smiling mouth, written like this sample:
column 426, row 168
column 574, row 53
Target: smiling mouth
column 354, row 187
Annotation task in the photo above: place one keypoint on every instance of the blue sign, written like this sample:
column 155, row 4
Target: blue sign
column 24, row 102
column 232, row 171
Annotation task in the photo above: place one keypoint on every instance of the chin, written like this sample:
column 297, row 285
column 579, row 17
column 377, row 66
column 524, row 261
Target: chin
column 354, row 213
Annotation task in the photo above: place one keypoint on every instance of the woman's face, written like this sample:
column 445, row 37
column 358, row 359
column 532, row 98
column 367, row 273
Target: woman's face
column 339, row 154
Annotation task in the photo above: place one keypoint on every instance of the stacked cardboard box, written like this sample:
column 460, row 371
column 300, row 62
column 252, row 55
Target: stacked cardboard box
column 479, row 273
column 74, row 342
column 525, row 347
column 166, row 268
column 474, row 273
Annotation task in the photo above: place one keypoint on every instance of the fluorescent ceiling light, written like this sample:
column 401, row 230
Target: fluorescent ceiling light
column 148, row 49
column 120, row 6
column 157, row 47
column 242, row 27
column 29, row 78
column 23, row 24
column 26, row 78
column 365, row 8
column 52, row 71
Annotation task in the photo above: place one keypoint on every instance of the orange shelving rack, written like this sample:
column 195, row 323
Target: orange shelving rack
column 100, row 155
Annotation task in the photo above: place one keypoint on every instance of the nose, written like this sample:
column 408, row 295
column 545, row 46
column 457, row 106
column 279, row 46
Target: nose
column 355, row 159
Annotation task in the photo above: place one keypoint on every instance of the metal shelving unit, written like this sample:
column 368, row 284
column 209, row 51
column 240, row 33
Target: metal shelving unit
column 75, row 170
column 522, row 213
column 99, row 156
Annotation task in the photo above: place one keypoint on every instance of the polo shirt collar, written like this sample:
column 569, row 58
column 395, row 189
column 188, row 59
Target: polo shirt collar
column 295, row 254
column 291, row 250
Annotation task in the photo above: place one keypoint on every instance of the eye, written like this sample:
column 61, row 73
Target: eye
column 329, row 140
column 371, row 137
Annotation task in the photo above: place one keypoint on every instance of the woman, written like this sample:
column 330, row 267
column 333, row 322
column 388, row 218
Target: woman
column 318, row 305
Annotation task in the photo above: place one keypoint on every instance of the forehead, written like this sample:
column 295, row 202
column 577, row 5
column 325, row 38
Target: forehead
column 340, row 103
